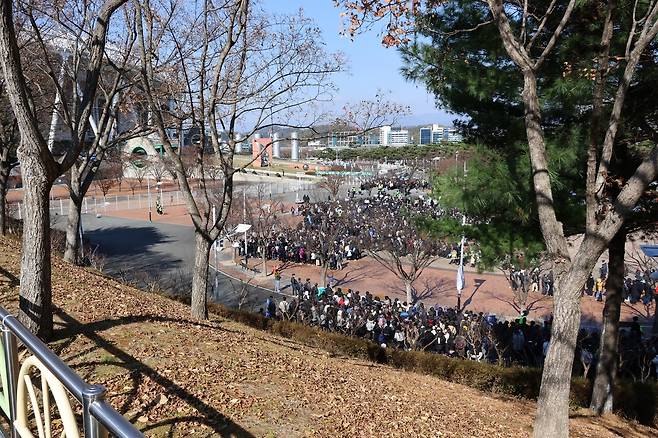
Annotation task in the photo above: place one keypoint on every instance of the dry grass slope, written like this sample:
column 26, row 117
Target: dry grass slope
column 174, row 377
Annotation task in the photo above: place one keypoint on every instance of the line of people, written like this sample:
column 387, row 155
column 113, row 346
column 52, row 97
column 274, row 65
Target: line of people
column 392, row 323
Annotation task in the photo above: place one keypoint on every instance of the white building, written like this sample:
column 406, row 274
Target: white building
column 393, row 137
column 383, row 135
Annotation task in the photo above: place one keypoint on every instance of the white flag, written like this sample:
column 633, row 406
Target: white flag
column 460, row 277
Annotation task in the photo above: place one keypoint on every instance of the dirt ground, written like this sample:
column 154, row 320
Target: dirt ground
column 175, row 377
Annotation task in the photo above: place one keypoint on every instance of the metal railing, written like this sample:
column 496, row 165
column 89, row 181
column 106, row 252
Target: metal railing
column 98, row 417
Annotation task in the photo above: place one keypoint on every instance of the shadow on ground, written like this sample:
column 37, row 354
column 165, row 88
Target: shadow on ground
column 139, row 371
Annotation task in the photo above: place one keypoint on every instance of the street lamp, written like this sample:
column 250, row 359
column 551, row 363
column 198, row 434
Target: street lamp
column 148, row 189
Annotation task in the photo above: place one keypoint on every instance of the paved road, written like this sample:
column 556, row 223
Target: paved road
column 157, row 253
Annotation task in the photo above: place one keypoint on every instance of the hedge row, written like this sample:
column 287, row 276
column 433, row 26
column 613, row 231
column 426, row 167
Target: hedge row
column 634, row 400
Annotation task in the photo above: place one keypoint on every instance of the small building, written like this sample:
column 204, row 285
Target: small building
column 261, row 152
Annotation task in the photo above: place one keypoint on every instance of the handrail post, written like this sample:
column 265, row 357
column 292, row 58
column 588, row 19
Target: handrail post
column 11, row 361
column 93, row 428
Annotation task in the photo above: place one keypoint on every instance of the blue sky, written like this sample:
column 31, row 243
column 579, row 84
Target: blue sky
column 372, row 67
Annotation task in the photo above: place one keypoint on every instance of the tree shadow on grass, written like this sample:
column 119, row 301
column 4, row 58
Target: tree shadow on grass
column 208, row 415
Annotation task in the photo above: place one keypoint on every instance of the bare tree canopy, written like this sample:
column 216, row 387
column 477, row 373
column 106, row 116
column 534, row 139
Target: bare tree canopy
column 227, row 71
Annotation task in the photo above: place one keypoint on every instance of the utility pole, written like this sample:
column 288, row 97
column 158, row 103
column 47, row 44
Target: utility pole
column 148, row 189
column 244, row 219
column 460, row 270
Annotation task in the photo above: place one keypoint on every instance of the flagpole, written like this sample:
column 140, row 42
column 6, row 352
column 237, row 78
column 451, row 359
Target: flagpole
column 460, row 271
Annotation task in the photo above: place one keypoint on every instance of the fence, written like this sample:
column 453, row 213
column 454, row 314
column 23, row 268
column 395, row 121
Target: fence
column 98, row 418
column 105, row 204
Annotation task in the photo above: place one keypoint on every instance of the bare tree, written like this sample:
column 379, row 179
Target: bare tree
column 106, row 178
column 529, row 33
column 323, row 239
column 218, row 69
column 80, row 64
column 523, row 274
column 159, row 169
column 367, row 115
column 114, row 88
column 140, row 168
column 397, row 244
column 332, row 184
column 264, row 216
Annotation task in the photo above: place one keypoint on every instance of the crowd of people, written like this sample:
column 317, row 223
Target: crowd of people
column 637, row 287
column 336, row 231
column 483, row 337
column 330, row 233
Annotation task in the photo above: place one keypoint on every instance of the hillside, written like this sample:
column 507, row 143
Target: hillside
column 174, row 377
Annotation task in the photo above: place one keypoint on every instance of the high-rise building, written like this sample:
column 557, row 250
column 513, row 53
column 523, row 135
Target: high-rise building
column 425, row 135
column 389, row 136
column 341, row 139
column 398, row 137
column 437, row 133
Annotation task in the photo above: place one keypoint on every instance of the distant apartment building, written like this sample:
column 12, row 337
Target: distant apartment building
column 342, row 139
column 437, row 133
column 389, row 136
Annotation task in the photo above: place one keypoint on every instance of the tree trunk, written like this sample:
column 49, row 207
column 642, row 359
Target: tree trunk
column 409, row 290
column 323, row 274
column 3, row 205
column 200, row 277
column 263, row 256
column 4, row 180
column 606, row 369
column 72, row 253
column 553, row 403
column 552, row 418
column 35, row 283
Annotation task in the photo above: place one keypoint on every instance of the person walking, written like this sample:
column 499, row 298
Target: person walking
column 604, row 270
column 277, row 281
column 270, row 307
column 599, row 289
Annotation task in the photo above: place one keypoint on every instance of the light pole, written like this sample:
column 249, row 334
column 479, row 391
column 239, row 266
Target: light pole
column 148, row 189
column 244, row 219
column 460, row 271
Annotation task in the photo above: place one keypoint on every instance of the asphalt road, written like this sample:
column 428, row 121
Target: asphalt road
column 159, row 255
